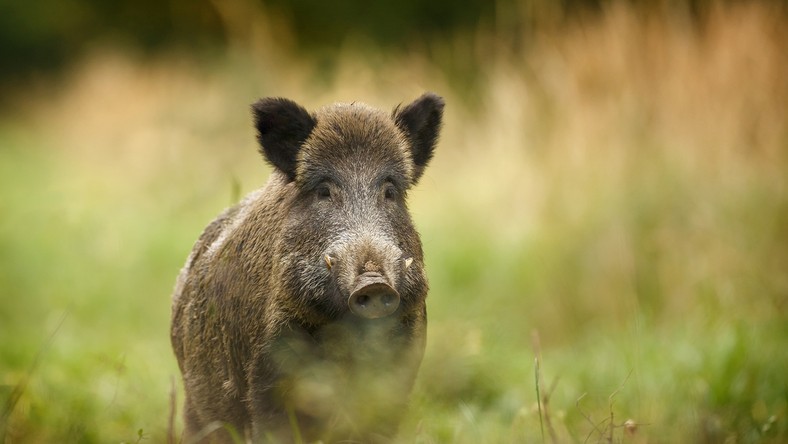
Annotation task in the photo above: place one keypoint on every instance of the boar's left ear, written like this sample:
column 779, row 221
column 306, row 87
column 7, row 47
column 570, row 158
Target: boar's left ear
column 282, row 127
column 421, row 123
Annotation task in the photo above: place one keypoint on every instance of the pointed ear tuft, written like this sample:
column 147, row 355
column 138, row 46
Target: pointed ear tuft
column 421, row 123
column 282, row 127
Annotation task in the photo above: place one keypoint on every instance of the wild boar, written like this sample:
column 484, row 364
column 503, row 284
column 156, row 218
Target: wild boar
column 300, row 313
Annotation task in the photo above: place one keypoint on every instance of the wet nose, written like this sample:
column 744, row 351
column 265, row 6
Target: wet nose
column 373, row 297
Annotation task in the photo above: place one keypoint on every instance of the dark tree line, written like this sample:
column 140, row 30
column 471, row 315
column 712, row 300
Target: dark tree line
column 43, row 35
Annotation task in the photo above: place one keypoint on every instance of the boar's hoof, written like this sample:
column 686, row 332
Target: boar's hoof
column 373, row 298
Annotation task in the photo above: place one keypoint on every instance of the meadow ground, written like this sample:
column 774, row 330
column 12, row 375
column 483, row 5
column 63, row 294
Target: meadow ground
column 611, row 199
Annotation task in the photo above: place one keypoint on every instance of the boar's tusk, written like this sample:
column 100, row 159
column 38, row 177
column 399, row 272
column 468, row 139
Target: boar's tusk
column 329, row 261
column 408, row 261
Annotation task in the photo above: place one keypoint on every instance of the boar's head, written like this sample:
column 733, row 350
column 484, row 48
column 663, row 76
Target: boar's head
column 348, row 247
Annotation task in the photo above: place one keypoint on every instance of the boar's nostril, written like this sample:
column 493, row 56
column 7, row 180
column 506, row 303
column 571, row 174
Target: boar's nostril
column 373, row 298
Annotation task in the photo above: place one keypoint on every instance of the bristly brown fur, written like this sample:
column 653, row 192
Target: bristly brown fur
column 260, row 324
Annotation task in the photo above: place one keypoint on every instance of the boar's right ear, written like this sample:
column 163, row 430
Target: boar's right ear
column 282, row 127
column 421, row 123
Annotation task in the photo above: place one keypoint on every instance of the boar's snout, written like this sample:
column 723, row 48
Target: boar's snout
column 373, row 297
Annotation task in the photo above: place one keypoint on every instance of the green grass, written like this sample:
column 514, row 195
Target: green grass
column 628, row 226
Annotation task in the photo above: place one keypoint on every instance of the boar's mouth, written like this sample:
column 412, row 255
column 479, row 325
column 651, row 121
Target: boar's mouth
column 372, row 297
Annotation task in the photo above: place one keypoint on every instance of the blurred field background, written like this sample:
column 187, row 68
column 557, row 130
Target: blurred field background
column 609, row 195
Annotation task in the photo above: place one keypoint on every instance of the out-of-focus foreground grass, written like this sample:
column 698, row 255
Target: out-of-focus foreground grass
column 612, row 198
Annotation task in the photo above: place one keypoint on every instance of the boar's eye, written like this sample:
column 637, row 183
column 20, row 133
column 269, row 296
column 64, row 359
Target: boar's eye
column 389, row 191
column 323, row 192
